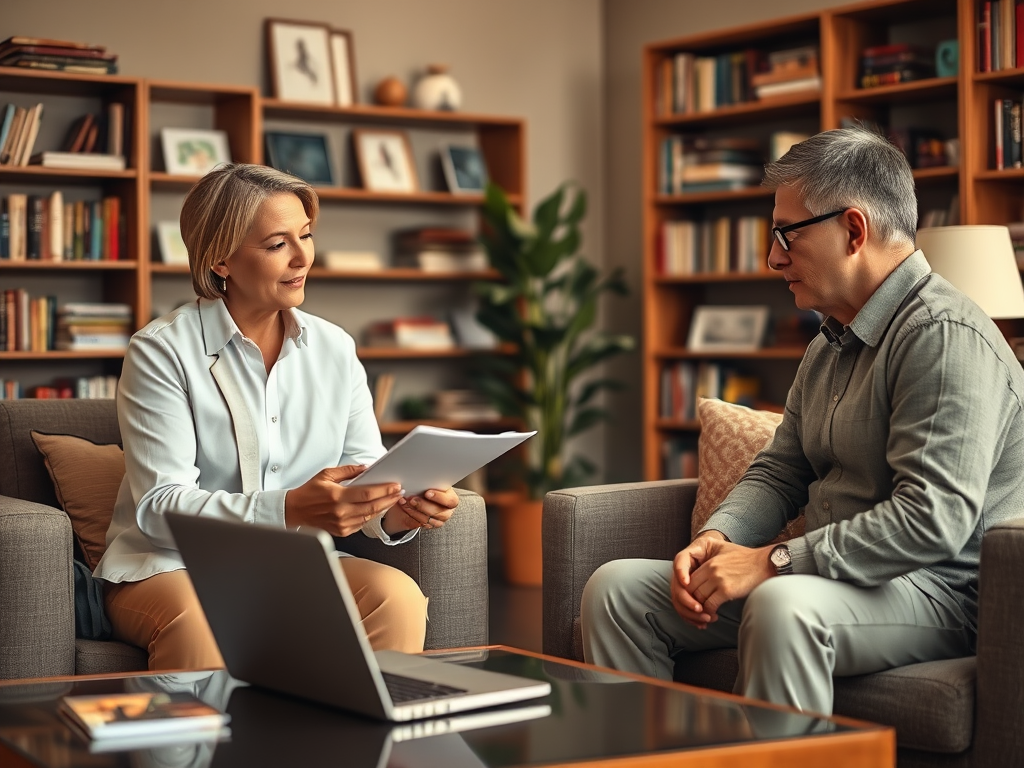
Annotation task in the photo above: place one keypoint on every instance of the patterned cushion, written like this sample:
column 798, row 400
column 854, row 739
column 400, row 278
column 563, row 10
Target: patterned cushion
column 730, row 437
column 86, row 478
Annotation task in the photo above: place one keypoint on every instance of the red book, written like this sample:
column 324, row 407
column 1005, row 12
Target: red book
column 1018, row 25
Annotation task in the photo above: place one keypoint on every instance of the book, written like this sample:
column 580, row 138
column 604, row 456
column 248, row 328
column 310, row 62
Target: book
column 13, row 135
column 352, row 261
column 5, row 125
column 432, row 457
column 789, row 86
column 59, row 63
column 143, row 715
column 89, row 160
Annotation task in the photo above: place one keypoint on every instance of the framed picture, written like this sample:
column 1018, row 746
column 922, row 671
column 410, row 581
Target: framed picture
column 172, row 247
column 464, row 169
column 343, row 63
column 728, row 329
column 385, row 161
column 300, row 154
column 192, row 152
column 299, row 56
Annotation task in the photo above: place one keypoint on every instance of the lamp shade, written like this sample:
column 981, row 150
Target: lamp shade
column 978, row 260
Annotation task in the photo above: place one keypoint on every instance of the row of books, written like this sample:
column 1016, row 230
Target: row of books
column 45, row 227
column 80, row 387
column 704, row 164
column 687, row 82
column 1000, row 26
column 684, row 382
column 895, row 63
column 57, row 55
column 721, row 245
column 460, row 330
column 35, row 324
column 432, row 249
column 94, row 141
column 1006, row 144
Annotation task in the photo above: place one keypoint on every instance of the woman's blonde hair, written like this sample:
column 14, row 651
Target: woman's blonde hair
column 220, row 210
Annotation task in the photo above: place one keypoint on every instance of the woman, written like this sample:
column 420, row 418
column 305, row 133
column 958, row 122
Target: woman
column 241, row 407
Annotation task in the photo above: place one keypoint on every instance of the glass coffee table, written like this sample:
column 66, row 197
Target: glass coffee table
column 592, row 716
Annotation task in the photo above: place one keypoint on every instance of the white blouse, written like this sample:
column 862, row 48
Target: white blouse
column 207, row 431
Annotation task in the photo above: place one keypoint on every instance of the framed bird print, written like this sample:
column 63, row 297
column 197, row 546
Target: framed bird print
column 385, row 161
column 299, row 56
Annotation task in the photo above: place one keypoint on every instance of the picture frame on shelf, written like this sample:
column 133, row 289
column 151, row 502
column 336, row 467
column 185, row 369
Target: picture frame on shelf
column 343, row 66
column 299, row 59
column 465, row 170
column 728, row 328
column 171, row 247
column 193, row 151
column 301, row 154
column 385, row 160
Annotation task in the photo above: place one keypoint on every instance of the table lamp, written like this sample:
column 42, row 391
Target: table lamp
column 978, row 260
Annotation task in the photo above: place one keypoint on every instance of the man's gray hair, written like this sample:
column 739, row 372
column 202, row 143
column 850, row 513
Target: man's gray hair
column 852, row 168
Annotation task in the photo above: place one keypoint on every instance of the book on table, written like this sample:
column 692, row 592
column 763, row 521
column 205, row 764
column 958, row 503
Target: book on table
column 121, row 720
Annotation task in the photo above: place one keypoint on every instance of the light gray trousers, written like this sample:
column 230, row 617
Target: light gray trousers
column 793, row 633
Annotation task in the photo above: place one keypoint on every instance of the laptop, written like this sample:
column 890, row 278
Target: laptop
column 285, row 619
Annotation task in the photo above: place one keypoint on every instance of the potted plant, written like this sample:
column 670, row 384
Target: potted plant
column 545, row 308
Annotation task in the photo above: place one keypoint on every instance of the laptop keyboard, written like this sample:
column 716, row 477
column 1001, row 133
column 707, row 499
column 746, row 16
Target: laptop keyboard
column 406, row 689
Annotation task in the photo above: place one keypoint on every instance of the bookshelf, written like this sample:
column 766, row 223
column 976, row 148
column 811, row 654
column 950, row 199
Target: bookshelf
column 65, row 97
column 351, row 217
column 956, row 106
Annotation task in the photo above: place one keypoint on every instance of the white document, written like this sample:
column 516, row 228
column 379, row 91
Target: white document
column 431, row 457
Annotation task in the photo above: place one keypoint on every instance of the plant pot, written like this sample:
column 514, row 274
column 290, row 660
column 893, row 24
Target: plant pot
column 521, row 541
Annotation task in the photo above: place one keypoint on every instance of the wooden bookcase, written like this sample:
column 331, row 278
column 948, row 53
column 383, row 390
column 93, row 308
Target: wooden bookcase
column 65, row 97
column 150, row 195
column 959, row 106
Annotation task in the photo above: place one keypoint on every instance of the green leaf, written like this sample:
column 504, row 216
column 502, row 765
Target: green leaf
column 597, row 348
column 545, row 216
column 578, row 209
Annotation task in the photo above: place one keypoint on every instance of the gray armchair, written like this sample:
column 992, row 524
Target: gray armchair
column 962, row 712
column 37, row 627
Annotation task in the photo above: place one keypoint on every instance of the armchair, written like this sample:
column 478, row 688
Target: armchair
column 37, row 626
column 961, row 712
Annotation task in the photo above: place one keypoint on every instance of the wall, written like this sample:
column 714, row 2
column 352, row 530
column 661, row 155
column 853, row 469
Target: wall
column 628, row 26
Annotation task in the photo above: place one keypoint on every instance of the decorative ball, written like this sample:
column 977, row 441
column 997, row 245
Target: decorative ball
column 390, row 92
column 437, row 90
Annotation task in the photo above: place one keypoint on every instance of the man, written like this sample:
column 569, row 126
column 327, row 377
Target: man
column 902, row 441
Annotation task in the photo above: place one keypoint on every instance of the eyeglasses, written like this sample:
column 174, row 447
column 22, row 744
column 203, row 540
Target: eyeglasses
column 780, row 232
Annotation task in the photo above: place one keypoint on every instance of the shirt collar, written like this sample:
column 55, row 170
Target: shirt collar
column 875, row 316
column 219, row 327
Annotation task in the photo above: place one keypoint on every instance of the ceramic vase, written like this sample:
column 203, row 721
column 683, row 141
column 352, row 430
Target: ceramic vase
column 437, row 90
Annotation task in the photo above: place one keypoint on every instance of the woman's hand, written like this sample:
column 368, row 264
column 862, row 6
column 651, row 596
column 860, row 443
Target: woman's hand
column 323, row 502
column 431, row 510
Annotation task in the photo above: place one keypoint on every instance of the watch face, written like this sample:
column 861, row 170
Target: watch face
column 780, row 556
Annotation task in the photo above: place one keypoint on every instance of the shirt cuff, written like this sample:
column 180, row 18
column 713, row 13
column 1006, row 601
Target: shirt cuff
column 270, row 507
column 802, row 556
column 375, row 529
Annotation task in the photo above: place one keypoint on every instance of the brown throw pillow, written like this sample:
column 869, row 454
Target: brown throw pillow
column 730, row 437
column 86, row 478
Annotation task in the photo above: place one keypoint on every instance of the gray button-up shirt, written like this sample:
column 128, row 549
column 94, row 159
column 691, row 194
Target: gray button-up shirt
column 903, row 440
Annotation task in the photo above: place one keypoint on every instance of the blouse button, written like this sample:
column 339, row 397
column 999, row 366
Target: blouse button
column 274, row 419
column 274, row 468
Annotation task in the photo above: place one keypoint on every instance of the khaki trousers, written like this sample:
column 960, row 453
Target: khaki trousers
column 162, row 614
column 793, row 633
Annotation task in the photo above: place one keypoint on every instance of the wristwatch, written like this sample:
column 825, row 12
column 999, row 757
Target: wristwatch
column 781, row 559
